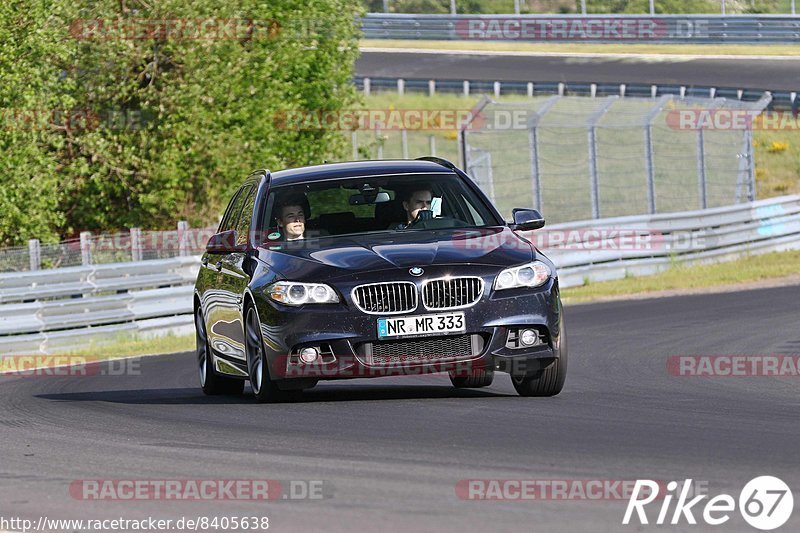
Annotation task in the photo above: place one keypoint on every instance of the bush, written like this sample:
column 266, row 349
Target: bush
column 166, row 127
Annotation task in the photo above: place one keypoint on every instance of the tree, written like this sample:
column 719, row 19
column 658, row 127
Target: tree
column 172, row 103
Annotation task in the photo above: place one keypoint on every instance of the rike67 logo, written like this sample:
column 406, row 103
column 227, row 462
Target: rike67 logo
column 766, row 503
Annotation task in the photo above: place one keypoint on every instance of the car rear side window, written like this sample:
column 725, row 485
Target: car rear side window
column 224, row 223
column 231, row 219
column 245, row 217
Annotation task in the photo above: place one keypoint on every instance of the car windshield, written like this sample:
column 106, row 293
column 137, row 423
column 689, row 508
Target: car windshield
column 374, row 205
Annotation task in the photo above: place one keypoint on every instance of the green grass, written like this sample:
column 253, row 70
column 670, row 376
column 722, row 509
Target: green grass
column 592, row 48
column 127, row 346
column 682, row 278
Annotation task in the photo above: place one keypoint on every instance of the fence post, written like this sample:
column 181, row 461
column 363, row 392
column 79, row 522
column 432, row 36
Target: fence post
column 354, row 143
column 136, row 244
column 649, row 153
column 432, row 144
column 86, row 248
column 431, row 87
column 496, row 87
column 35, row 254
column 465, row 86
column 401, row 86
column 516, row 7
column 751, row 166
column 701, row 168
column 652, row 7
column 367, row 86
column 594, row 174
column 453, row 7
column 404, row 142
column 380, row 143
column 533, row 147
column 183, row 241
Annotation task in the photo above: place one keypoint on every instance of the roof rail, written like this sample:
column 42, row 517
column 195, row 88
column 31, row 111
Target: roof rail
column 438, row 160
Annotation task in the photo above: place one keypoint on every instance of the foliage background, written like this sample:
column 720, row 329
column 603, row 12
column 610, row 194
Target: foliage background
column 181, row 121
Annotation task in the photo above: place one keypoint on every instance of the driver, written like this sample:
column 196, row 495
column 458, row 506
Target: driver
column 417, row 205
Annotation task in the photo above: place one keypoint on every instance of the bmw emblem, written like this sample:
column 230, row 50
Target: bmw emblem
column 416, row 271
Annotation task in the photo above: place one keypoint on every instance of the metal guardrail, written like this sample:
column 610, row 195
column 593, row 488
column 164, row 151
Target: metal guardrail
column 675, row 29
column 691, row 237
column 50, row 310
column 61, row 309
column 781, row 100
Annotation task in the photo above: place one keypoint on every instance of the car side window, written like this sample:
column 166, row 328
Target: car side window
column 245, row 217
column 477, row 219
column 230, row 212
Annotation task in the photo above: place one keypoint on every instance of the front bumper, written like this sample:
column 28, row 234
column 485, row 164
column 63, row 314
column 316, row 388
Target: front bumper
column 348, row 337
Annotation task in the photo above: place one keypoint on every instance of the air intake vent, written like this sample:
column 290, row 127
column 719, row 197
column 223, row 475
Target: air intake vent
column 426, row 350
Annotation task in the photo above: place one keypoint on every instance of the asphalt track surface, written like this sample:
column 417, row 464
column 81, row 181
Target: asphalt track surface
column 391, row 451
column 753, row 73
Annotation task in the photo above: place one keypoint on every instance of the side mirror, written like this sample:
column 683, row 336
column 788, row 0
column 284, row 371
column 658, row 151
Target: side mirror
column 526, row 219
column 223, row 243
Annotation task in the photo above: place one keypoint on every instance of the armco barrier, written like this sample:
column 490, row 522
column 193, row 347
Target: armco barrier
column 50, row 310
column 689, row 29
column 54, row 310
column 717, row 234
column 781, row 100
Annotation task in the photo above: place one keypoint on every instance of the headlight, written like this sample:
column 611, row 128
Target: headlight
column 295, row 293
column 530, row 275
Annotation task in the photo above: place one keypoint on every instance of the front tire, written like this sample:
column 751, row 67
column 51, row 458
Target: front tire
column 550, row 381
column 264, row 388
column 212, row 383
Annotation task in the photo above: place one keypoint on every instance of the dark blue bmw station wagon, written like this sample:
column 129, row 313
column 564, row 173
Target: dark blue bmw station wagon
column 370, row 269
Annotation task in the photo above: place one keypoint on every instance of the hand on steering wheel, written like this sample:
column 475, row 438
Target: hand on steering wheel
column 422, row 216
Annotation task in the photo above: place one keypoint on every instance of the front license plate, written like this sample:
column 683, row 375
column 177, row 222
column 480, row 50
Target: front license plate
column 408, row 326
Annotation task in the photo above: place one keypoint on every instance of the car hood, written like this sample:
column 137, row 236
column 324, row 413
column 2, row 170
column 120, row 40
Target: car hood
column 329, row 257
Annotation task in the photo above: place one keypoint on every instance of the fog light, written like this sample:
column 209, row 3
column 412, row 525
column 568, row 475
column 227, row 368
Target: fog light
column 308, row 355
column 528, row 337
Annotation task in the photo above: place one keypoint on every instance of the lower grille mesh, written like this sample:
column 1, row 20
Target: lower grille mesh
column 425, row 350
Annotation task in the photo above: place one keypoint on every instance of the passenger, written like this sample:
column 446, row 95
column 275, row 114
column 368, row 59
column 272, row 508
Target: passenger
column 291, row 217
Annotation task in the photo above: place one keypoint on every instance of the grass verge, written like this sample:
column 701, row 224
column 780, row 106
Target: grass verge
column 128, row 346
column 591, row 48
column 682, row 279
